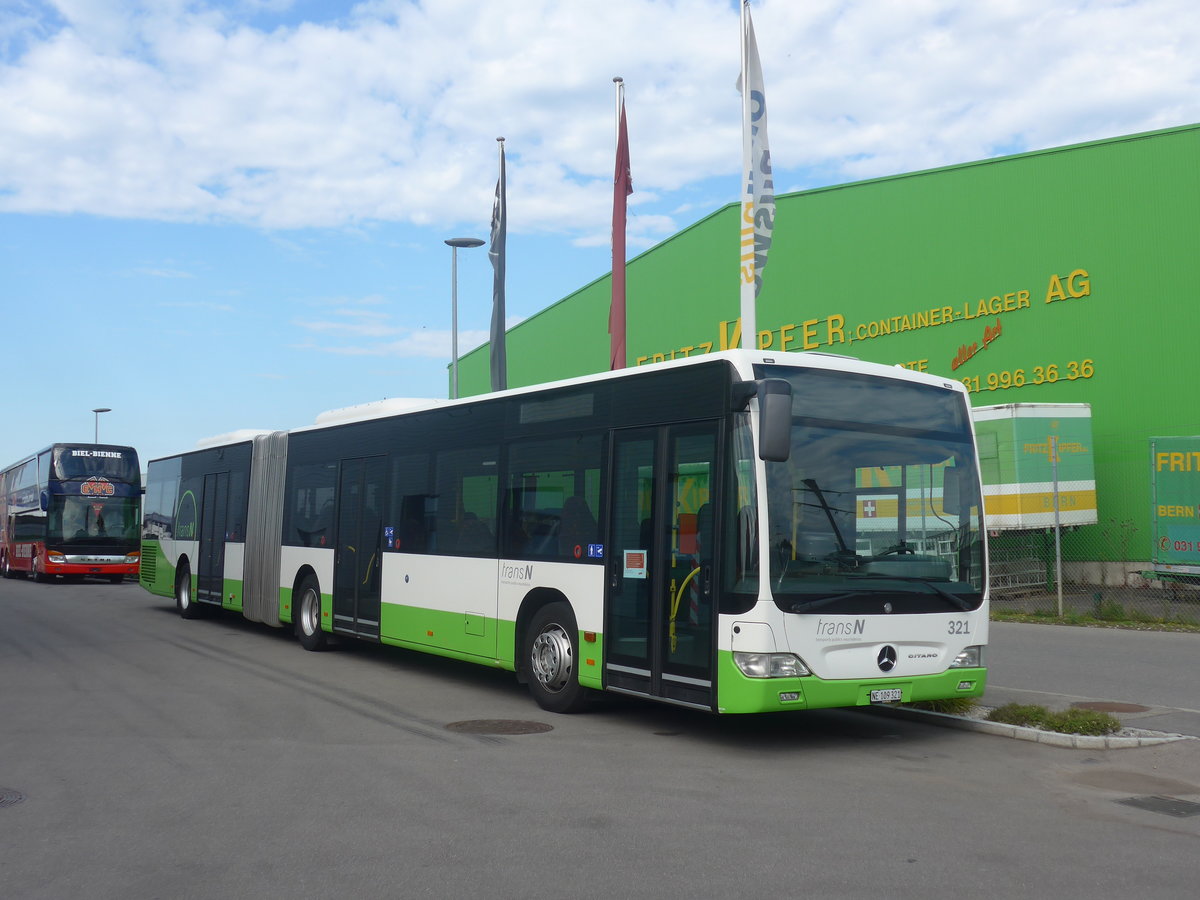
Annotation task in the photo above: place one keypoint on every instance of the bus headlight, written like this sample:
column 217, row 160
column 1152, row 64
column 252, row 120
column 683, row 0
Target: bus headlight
column 770, row 665
column 133, row 558
column 970, row 658
column 55, row 556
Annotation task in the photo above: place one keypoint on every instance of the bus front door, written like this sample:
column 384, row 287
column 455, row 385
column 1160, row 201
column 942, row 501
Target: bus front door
column 659, row 620
column 214, row 511
column 356, row 572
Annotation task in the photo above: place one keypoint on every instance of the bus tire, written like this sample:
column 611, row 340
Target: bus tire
column 6, row 567
column 307, row 615
column 36, row 573
column 551, row 659
column 184, row 601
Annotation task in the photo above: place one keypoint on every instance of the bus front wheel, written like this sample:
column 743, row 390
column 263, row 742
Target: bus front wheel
column 184, row 601
column 307, row 615
column 552, row 659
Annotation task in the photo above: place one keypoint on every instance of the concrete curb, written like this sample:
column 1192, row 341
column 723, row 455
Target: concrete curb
column 1138, row 737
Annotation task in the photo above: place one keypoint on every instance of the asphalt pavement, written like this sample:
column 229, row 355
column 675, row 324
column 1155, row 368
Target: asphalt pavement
column 1148, row 679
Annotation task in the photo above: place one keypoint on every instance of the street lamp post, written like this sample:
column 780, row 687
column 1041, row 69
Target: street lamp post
column 97, row 411
column 454, row 244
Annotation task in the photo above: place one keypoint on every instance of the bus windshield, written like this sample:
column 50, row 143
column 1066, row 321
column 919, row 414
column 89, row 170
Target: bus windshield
column 118, row 464
column 93, row 521
column 878, row 508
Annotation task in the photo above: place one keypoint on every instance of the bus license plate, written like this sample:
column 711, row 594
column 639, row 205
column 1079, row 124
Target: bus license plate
column 890, row 695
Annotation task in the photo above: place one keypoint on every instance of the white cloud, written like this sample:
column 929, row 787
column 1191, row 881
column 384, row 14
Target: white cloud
column 423, row 343
column 186, row 111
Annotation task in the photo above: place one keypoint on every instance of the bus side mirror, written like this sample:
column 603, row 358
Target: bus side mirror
column 774, row 420
column 44, row 501
column 952, row 491
column 774, row 415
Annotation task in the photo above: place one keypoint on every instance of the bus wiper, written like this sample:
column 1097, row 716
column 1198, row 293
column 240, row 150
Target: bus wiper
column 809, row 605
column 953, row 598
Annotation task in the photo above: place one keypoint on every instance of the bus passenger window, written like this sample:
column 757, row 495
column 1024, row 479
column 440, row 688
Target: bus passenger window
column 553, row 490
column 308, row 522
column 414, row 505
column 467, row 487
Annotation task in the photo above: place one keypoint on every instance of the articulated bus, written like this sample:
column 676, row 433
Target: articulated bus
column 739, row 532
column 71, row 510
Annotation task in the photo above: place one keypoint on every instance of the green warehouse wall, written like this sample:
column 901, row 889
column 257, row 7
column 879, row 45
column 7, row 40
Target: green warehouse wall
column 1065, row 276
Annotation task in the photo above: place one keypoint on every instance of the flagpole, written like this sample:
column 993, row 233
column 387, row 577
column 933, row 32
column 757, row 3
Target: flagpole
column 619, row 85
column 746, row 249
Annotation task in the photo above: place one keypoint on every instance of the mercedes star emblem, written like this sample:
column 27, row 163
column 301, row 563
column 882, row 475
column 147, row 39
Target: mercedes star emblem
column 886, row 658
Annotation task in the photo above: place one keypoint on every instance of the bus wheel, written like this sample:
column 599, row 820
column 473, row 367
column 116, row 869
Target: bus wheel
column 184, row 601
column 37, row 573
column 306, row 612
column 552, row 659
column 6, row 567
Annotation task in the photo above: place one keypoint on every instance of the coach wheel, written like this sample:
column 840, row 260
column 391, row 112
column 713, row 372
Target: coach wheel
column 184, row 601
column 6, row 567
column 307, row 615
column 37, row 573
column 552, row 659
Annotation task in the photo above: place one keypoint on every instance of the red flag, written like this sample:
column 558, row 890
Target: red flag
column 622, row 188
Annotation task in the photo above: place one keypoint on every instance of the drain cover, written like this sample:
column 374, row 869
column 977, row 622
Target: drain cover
column 1168, row 806
column 1110, row 707
column 499, row 726
column 9, row 797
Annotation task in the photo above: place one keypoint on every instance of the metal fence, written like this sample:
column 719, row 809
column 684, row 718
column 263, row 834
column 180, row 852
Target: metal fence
column 1101, row 576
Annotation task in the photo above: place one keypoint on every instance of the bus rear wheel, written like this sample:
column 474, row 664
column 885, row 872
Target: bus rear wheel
column 184, row 601
column 307, row 615
column 551, row 656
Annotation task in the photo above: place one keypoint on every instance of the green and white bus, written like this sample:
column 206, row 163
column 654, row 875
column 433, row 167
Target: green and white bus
column 736, row 532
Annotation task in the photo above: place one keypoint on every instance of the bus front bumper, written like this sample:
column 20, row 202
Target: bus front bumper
column 740, row 694
column 90, row 564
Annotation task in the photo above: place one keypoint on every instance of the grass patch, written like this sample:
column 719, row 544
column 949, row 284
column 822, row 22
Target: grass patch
column 952, row 706
column 1070, row 721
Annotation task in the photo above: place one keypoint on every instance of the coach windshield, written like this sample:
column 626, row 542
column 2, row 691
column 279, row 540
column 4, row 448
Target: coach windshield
column 878, row 507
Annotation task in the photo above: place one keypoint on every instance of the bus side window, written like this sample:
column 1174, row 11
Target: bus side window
column 308, row 520
column 414, row 505
column 467, row 489
column 578, row 527
column 552, row 493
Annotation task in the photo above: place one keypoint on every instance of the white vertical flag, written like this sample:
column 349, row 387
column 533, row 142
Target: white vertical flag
column 758, row 198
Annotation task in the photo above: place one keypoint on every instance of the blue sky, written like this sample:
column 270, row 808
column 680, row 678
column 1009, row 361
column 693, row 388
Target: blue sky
column 228, row 215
